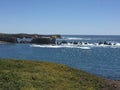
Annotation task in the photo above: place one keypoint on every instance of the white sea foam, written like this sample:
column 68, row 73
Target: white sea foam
column 59, row 46
column 81, row 46
column 85, row 47
column 45, row 46
column 75, row 38
column 117, row 44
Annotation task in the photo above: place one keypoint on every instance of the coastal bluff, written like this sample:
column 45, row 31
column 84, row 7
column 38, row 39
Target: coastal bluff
column 28, row 38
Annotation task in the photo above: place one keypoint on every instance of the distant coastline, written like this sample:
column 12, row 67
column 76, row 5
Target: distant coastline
column 35, row 38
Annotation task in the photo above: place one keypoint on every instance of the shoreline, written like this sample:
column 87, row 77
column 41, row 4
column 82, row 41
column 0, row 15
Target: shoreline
column 3, row 42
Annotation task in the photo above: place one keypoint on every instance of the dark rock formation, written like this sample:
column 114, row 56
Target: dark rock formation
column 105, row 43
column 85, row 43
column 100, row 43
column 64, row 42
column 43, row 40
column 36, row 38
column 75, row 42
column 8, row 39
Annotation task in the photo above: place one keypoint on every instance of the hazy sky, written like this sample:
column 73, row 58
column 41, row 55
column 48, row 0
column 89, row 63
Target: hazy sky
column 60, row 16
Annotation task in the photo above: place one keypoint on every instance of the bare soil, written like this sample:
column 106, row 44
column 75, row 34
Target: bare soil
column 112, row 85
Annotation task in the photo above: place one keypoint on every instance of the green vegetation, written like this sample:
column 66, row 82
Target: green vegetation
column 35, row 75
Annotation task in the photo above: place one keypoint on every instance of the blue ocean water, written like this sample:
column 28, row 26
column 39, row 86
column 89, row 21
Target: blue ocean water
column 102, row 61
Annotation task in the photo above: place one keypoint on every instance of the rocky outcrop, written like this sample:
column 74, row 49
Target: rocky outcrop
column 36, row 38
column 8, row 39
column 43, row 40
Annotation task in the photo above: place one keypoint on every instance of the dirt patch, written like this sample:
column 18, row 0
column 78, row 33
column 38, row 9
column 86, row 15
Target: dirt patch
column 112, row 85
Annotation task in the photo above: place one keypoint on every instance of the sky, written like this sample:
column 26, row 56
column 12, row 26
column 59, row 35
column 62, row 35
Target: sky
column 80, row 17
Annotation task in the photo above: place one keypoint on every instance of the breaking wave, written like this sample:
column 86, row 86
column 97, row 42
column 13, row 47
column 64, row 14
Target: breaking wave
column 60, row 46
column 81, row 46
column 75, row 38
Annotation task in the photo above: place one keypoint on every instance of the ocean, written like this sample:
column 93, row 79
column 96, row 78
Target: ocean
column 102, row 60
